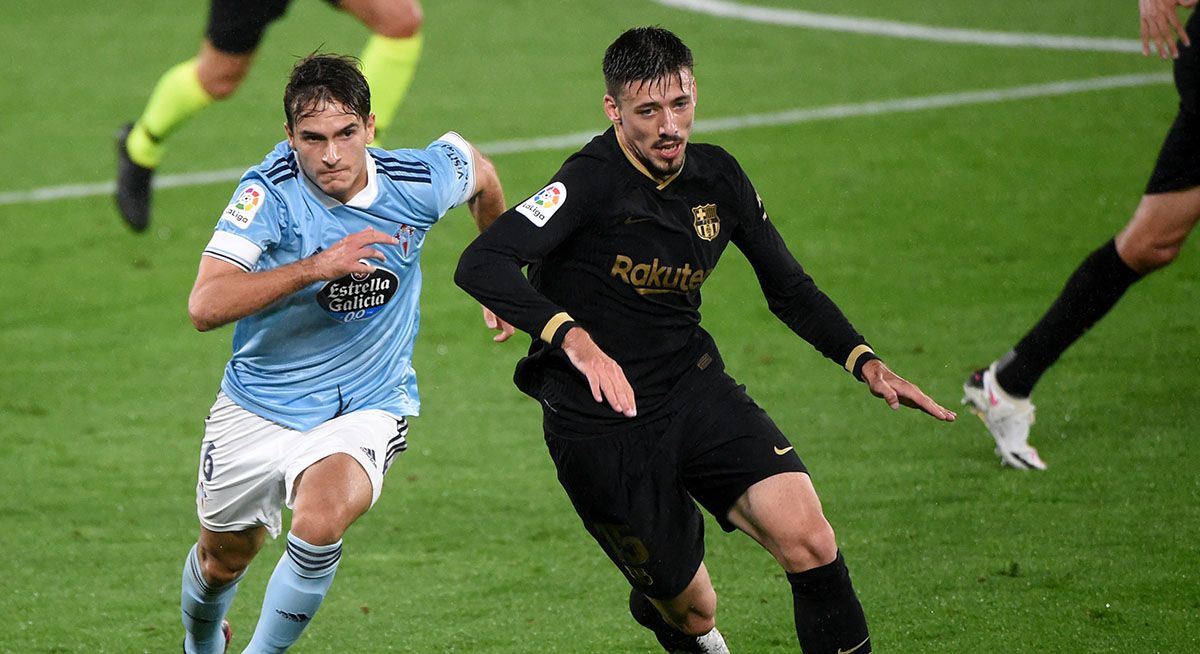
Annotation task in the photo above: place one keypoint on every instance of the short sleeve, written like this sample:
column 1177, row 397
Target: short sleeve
column 248, row 226
column 453, row 170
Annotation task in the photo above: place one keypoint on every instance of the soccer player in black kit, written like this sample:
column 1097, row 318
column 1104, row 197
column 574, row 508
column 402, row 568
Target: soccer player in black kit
column 640, row 417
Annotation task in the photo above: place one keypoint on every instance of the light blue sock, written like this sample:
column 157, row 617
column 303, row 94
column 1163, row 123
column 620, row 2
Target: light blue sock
column 203, row 608
column 294, row 594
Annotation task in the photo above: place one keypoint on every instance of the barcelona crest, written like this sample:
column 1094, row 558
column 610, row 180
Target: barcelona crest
column 706, row 222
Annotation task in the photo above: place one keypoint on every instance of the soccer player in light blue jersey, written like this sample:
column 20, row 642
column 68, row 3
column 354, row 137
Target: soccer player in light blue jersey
column 317, row 259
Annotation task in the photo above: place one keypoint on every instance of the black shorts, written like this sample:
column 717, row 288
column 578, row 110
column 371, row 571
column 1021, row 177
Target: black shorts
column 636, row 490
column 1178, row 165
column 237, row 26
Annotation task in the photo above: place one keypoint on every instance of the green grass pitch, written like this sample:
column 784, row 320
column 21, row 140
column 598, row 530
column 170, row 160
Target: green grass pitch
column 943, row 233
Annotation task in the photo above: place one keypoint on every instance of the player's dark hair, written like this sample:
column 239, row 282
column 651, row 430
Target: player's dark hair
column 641, row 55
column 319, row 79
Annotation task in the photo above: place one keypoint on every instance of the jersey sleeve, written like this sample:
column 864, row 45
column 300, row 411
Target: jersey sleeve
column 432, row 181
column 249, row 225
column 490, row 268
column 452, row 168
column 791, row 293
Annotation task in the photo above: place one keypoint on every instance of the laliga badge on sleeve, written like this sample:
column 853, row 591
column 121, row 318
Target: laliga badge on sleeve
column 539, row 208
column 242, row 209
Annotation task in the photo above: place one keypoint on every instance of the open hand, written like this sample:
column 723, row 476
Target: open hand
column 1160, row 24
column 605, row 377
column 896, row 390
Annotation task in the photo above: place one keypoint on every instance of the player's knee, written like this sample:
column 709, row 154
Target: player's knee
column 222, row 569
column 1144, row 256
column 696, row 619
column 396, row 20
column 323, row 529
column 1157, row 257
column 697, row 624
column 807, row 549
column 221, row 86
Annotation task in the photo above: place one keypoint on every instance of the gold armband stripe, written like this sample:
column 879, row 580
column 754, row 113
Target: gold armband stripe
column 553, row 324
column 853, row 358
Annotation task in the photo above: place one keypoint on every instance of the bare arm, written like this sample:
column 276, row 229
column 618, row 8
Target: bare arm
column 486, row 206
column 224, row 293
column 488, row 202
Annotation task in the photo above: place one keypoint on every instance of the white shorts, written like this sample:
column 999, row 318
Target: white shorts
column 249, row 465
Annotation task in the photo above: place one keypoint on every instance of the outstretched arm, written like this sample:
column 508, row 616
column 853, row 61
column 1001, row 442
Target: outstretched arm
column 1160, row 24
column 896, row 390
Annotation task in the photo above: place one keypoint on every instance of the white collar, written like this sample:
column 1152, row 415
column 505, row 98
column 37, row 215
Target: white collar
column 361, row 200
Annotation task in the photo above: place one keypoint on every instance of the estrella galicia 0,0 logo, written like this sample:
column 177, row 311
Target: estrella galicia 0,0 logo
column 358, row 296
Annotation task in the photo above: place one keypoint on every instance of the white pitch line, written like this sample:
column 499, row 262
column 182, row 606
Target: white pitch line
column 796, row 18
column 575, row 140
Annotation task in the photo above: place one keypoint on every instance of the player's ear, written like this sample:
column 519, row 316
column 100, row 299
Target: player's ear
column 370, row 126
column 287, row 129
column 612, row 110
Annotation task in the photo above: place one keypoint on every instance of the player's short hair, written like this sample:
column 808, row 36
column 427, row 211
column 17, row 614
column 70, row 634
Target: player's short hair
column 643, row 54
column 319, row 79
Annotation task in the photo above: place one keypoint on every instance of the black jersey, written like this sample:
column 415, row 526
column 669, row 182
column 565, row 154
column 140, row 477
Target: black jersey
column 625, row 256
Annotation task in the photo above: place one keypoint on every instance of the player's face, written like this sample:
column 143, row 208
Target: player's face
column 654, row 119
column 331, row 145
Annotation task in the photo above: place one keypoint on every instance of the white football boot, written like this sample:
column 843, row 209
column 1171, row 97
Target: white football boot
column 710, row 643
column 1007, row 418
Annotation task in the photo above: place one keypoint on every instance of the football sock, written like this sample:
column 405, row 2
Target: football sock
column 294, row 594
column 671, row 639
column 1092, row 290
column 828, row 616
column 177, row 97
column 388, row 65
column 203, row 608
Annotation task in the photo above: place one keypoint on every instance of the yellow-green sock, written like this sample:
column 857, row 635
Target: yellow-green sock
column 177, row 97
column 388, row 65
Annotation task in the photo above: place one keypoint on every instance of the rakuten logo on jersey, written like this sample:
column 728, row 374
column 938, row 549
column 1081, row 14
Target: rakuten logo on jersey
column 358, row 296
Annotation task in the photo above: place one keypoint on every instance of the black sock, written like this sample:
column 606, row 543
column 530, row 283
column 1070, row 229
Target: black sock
column 1092, row 290
column 829, row 618
column 672, row 639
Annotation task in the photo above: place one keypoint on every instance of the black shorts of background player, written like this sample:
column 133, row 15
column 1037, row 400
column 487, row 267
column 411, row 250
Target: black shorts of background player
column 1152, row 239
column 235, row 28
column 640, row 418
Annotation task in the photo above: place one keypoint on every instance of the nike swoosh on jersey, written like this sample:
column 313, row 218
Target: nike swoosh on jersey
column 781, row 452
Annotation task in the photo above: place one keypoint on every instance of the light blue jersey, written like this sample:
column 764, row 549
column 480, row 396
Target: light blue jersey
column 342, row 345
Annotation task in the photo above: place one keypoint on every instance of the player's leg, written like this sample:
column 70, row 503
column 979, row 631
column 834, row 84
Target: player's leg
column 390, row 57
column 1161, row 224
column 1150, row 241
column 743, row 470
column 335, row 477
column 239, row 492
column 1168, row 211
column 211, row 573
column 685, row 622
column 234, row 31
column 626, row 489
column 999, row 394
column 784, row 515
